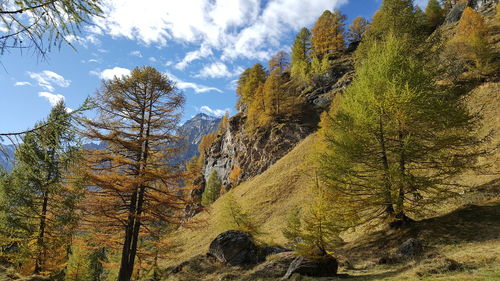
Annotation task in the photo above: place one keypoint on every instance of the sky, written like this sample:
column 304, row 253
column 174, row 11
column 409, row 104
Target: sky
column 202, row 45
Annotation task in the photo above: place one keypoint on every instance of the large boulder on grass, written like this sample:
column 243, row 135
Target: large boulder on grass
column 323, row 266
column 234, row 247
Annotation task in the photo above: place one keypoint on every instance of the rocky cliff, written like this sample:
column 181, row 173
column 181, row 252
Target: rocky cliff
column 253, row 152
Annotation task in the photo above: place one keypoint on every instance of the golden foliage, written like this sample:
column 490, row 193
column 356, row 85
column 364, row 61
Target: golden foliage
column 328, row 34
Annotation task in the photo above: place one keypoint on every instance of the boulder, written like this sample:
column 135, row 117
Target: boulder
column 410, row 249
column 273, row 250
column 324, row 266
column 234, row 248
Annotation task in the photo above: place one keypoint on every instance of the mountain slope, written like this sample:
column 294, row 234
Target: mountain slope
column 7, row 157
column 464, row 229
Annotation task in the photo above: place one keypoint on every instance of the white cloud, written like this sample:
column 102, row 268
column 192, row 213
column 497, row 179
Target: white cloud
column 218, row 70
column 136, row 54
column 93, row 60
column 110, row 73
column 52, row 98
column 190, row 85
column 152, row 59
column 215, row 70
column 22, row 83
column 216, row 112
column 238, row 28
column 47, row 79
column 84, row 41
column 194, row 55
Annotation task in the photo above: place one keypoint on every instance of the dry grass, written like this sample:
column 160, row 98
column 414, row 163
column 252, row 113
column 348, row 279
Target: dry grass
column 465, row 233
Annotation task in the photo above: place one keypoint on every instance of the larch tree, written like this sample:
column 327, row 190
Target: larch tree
column 43, row 24
column 248, row 83
column 328, row 34
column 357, row 29
column 397, row 139
column 39, row 201
column 279, row 60
column 434, row 14
column 394, row 16
column 301, row 55
column 470, row 41
column 131, row 184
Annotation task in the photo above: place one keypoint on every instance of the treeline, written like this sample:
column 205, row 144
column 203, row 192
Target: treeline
column 392, row 145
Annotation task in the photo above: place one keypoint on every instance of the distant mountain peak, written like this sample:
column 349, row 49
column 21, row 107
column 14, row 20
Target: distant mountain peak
column 204, row 116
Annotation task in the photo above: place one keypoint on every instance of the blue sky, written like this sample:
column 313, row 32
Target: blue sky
column 203, row 45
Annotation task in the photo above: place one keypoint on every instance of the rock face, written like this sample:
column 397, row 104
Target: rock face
column 234, row 248
column 254, row 152
column 486, row 7
column 325, row 266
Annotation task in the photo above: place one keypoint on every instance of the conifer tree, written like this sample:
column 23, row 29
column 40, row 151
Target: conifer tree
column 248, row 83
column 131, row 184
column 212, row 190
column 328, row 34
column 434, row 14
column 397, row 138
column 394, row 16
column 233, row 217
column 470, row 41
column 39, row 204
column 357, row 29
column 301, row 53
column 279, row 60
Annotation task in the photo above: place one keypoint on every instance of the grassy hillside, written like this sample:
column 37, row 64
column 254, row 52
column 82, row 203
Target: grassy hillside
column 465, row 229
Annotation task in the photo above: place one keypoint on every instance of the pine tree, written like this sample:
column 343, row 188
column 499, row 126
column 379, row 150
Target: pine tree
column 212, row 190
column 39, row 202
column 434, row 14
column 397, row 138
column 357, row 29
column 130, row 182
column 328, row 34
column 301, row 53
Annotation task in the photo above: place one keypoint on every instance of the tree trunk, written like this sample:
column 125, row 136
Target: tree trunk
column 389, row 209
column 41, row 235
column 134, row 219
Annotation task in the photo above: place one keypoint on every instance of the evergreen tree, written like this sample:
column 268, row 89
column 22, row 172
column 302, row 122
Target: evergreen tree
column 212, row 190
column 434, row 14
column 328, row 34
column 301, row 53
column 39, row 203
column 397, row 138
column 131, row 185
column 357, row 29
